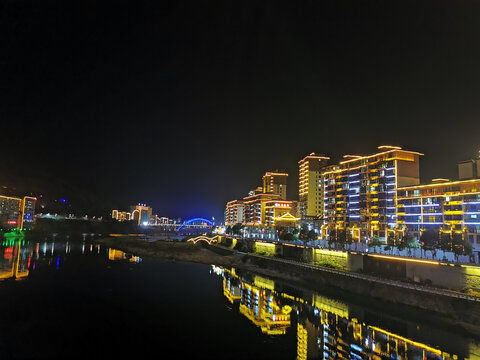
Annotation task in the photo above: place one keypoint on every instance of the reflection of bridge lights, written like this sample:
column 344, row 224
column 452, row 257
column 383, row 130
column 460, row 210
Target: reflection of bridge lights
column 217, row 270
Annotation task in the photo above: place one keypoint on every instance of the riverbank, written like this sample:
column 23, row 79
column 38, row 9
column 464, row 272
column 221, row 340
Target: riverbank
column 459, row 313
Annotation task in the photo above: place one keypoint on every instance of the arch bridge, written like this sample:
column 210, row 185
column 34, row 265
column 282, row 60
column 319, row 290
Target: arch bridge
column 196, row 223
column 208, row 240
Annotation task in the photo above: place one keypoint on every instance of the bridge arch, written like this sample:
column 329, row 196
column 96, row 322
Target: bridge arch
column 208, row 240
column 188, row 222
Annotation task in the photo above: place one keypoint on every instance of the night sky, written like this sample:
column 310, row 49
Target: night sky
column 183, row 105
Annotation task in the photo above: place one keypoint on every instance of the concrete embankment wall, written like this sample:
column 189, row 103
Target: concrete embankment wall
column 455, row 277
column 462, row 311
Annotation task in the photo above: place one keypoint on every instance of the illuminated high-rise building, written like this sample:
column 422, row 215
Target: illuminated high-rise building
column 444, row 206
column 255, row 208
column 310, row 185
column 235, row 212
column 469, row 169
column 275, row 183
column 27, row 212
column 360, row 193
column 16, row 212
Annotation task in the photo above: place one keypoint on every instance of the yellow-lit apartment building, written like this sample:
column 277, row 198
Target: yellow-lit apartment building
column 443, row 205
column 275, row 183
column 310, row 185
column 360, row 193
column 234, row 212
column 265, row 206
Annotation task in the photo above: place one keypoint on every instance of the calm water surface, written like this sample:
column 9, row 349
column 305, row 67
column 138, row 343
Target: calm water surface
column 79, row 299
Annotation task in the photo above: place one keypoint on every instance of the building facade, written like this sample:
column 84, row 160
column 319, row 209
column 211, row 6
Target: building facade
column 469, row 169
column 17, row 213
column 121, row 215
column 275, row 183
column 360, row 192
column 310, row 185
column 443, row 206
column 263, row 206
column 255, row 208
column 279, row 213
column 234, row 213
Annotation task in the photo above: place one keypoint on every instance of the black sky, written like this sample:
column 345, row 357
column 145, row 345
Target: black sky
column 185, row 104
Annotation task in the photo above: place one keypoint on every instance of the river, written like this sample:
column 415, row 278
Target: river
column 81, row 300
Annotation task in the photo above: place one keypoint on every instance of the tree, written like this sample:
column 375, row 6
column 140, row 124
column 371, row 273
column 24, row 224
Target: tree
column 459, row 244
column 342, row 237
column 410, row 242
column 392, row 240
column 237, row 229
column 296, row 233
column 312, row 235
column 429, row 239
column 332, row 237
column 402, row 241
column 445, row 242
column 375, row 241
column 467, row 247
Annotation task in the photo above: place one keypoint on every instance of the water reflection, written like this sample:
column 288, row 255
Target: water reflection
column 332, row 329
column 19, row 257
column 15, row 259
column 114, row 255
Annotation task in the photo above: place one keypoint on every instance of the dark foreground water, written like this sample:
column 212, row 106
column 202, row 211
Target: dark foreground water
column 71, row 300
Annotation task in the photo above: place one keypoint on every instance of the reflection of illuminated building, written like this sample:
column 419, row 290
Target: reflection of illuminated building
column 329, row 333
column 259, row 307
column 331, row 329
column 257, row 304
column 114, row 255
column 16, row 259
column 231, row 288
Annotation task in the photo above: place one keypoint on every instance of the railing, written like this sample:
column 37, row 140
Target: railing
column 436, row 291
column 438, row 255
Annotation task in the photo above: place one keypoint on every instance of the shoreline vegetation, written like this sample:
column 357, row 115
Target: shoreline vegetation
column 462, row 315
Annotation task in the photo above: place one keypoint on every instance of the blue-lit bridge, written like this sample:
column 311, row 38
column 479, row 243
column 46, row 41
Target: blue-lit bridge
column 194, row 225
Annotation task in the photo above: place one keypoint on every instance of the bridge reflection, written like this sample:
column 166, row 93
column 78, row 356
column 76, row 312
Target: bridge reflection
column 327, row 328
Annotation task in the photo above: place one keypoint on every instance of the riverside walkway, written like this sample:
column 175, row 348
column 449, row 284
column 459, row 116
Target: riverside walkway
column 375, row 279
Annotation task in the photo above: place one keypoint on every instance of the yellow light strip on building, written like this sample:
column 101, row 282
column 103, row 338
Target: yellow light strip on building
column 413, row 187
column 406, row 259
column 423, row 346
column 378, row 154
column 390, row 147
